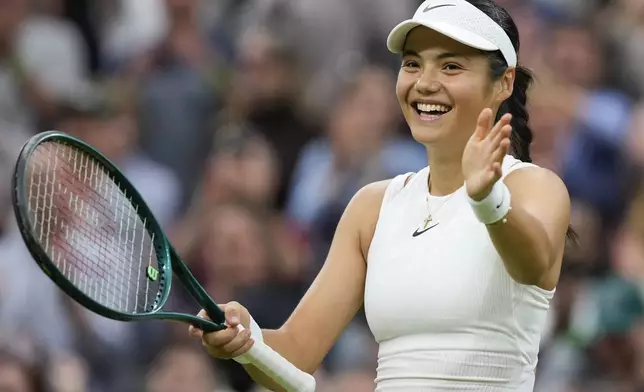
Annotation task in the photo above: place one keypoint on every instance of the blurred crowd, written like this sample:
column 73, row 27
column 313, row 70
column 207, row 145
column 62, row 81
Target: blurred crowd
column 247, row 125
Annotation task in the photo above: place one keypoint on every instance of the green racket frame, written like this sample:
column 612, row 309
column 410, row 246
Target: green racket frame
column 168, row 260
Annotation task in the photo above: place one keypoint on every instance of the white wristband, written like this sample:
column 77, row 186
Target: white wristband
column 255, row 333
column 495, row 206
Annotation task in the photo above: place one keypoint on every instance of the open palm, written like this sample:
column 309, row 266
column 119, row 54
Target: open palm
column 484, row 153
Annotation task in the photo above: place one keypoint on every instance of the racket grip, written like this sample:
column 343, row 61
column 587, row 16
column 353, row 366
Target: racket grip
column 278, row 368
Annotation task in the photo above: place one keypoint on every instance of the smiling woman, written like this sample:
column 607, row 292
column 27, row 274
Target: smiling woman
column 456, row 265
column 442, row 88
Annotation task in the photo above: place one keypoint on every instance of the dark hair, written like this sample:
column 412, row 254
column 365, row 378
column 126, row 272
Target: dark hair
column 521, row 136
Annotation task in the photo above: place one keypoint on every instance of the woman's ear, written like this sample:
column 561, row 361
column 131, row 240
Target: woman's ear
column 505, row 84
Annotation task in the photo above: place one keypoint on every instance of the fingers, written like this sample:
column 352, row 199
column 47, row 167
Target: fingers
column 195, row 332
column 244, row 349
column 237, row 343
column 233, row 313
column 505, row 145
column 227, row 343
column 485, row 127
column 501, row 151
column 487, row 148
column 496, row 168
column 500, row 125
column 220, row 338
column 502, row 134
column 484, row 124
column 202, row 313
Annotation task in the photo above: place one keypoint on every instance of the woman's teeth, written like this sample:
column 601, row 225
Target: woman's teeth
column 431, row 112
column 425, row 108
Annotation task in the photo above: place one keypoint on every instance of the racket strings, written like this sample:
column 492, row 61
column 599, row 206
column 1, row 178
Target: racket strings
column 74, row 240
column 90, row 228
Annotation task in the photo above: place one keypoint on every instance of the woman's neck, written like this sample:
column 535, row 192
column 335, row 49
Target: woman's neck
column 446, row 175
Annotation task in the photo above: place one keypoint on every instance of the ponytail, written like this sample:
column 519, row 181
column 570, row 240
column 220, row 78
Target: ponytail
column 521, row 136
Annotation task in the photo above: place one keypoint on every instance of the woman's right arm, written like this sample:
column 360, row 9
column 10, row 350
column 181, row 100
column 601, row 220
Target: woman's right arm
column 332, row 300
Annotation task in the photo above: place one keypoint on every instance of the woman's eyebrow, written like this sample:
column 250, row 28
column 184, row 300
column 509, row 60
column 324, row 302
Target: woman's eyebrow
column 440, row 56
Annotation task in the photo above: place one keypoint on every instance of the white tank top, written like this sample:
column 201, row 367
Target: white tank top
column 446, row 313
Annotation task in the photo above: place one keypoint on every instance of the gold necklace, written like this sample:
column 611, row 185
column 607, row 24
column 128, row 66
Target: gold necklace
column 430, row 215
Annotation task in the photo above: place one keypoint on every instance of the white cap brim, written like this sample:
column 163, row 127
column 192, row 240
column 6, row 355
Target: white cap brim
column 398, row 36
column 460, row 21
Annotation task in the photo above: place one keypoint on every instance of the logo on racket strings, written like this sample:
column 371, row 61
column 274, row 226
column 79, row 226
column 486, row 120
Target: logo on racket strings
column 153, row 273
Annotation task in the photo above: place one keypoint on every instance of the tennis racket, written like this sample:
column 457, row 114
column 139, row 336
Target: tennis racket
column 90, row 231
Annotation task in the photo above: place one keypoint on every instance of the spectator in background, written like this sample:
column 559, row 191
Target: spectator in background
column 265, row 97
column 592, row 118
column 235, row 240
column 230, row 224
column 242, row 167
column 331, row 38
column 179, row 86
column 53, row 51
column 19, row 375
column 183, row 368
column 32, row 77
column 131, row 27
column 67, row 373
column 623, row 23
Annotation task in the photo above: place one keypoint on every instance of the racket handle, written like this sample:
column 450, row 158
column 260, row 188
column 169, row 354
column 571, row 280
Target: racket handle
column 278, row 368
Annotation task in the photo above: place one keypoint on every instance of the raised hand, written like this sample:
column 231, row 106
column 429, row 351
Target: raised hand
column 484, row 153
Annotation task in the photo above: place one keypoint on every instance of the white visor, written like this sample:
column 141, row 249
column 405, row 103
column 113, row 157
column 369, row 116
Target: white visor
column 459, row 20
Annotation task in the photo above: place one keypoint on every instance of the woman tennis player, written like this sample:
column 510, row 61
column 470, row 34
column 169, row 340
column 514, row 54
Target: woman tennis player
column 456, row 265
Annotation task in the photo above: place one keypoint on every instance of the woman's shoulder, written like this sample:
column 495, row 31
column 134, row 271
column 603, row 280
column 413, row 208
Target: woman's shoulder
column 534, row 180
column 511, row 164
column 378, row 192
column 370, row 196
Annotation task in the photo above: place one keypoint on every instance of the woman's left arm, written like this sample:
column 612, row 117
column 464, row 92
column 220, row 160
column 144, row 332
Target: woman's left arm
column 532, row 237
column 526, row 213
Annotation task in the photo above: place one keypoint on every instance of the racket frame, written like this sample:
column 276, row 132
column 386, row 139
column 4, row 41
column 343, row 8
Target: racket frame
column 167, row 258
